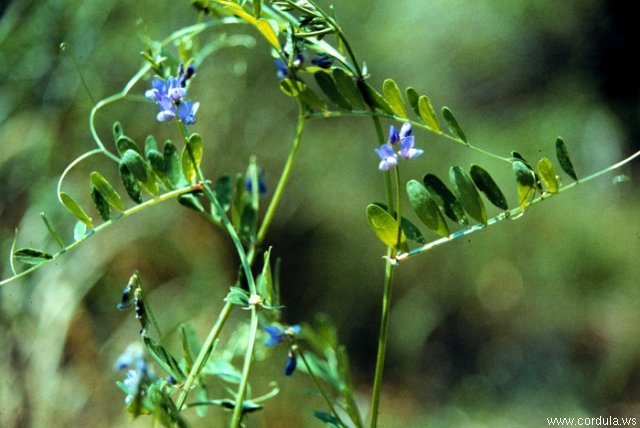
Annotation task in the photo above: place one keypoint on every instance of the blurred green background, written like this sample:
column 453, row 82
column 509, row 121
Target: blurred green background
column 531, row 319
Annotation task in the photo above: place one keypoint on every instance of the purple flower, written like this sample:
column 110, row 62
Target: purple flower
column 187, row 112
column 262, row 183
column 283, row 68
column 322, row 61
column 170, row 96
column 290, row 365
column 386, row 152
column 388, row 158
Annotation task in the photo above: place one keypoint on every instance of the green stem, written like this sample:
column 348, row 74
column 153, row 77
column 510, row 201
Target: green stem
column 284, row 177
column 158, row 199
column 204, row 353
column 320, row 388
column 244, row 381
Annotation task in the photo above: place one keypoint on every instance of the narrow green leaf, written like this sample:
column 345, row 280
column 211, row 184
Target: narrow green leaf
column 192, row 157
column 428, row 114
column 292, row 88
column 75, row 209
column 190, row 344
column 268, row 32
column 526, row 182
column 163, row 358
column 130, row 183
column 452, row 124
column 547, row 173
column 327, row 418
column 347, row 87
column 393, row 96
column 31, row 256
column 103, row 207
column 563, row 159
column 124, row 143
column 150, row 143
column 106, row 189
column 413, row 97
column 384, row 226
column 172, row 164
column 328, row 86
column 467, row 193
column 54, row 233
column 156, row 161
column 238, row 296
column 426, row 208
column 446, row 200
column 117, row 130
column 373, row 98
column 486, row 185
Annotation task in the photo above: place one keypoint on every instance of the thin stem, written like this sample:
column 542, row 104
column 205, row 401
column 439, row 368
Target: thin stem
column 244, row 381
column 204, row 353
column 158, row 199
column 284, row 177
column 320, row 388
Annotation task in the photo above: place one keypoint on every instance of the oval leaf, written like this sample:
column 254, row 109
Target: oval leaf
column 347, row 87
column 172, row 164
column 486, row 185
column 131, row 184
column 117, row 130
column 124, row 143
column 526, row 180
column 413, row 98
column 410, row 230
column 393, row 96
column 75, row 209
column 548, row 175
column 452, row 124
column 103, row 207
column 563, row 158
column 426, row 208
column 150, row 144
column 428, row 114
column 31, row 256
column 384, row 225
column 328, row 86
column 467, row 193
column 268, row 32
column 192, row 157
column 373, row 98
column 106, row 189
column 446, row 200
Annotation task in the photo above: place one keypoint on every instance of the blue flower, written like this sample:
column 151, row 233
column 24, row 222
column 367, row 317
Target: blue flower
column 322, row 61
column 388, row 158
column 386, row 153
column 262, row 183
column 170, row 96
column 277, row 335
column 283, row 68
column 290, row 365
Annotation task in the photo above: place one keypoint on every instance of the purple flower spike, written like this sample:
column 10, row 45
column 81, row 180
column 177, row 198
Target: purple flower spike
column 388, row 158
column 407, row 150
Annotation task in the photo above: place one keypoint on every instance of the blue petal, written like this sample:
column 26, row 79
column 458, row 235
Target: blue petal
column 276, row 335
column 290, row 365
column 405, row 131
column 393, row 135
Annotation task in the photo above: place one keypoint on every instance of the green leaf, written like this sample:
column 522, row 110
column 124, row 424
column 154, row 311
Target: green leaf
column 413, row 97
column 156, row 161
column 446, row 200
column 410, row 230
column 192, row 157
column 31, row 256
column 117, row 130
column 428, row 114
column 172, row 164
column 452, row 124
column 257, row 8
column 101, row 203
column 292, row 88
column 190, row 345
column 373, row 98
column 141, row 170
column 79, row 231
column 426, row 208
column 311, row 99
column 124, row 143
column 54, row 233
column 238, row 296
column 486, row 185
column 526, row 182
column 327, row 418
column 563, row 159
column 75, row 209
column 384, row 226
column 347, row 87
column 130, row 183
column 468, row 194
column 269, row 34
column 163, row 358
column 106, row 189
column 548, row 175
column 248, row 223
column 150, row 144
column 328, row 86
column 393, row 96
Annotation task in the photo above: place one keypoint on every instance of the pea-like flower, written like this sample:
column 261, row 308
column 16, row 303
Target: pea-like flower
column 387, row 154
column 170, row 96
column 277, row 335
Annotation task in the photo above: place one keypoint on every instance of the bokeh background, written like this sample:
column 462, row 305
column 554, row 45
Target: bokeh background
column 533, row 318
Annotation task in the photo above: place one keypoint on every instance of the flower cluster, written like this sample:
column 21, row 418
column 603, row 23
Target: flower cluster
column 278, row 335
column 139, row 373
column 170, row 96
column 386, row 152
